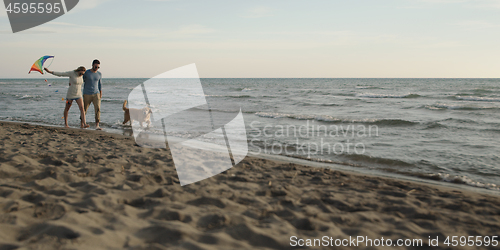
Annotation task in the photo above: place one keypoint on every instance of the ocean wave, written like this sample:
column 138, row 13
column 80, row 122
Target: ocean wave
column 393, row 165
column 435, row 125
column 457, row 179
column 229, row 96
column 329, row 104
column 113, row 100
column 386, row 122
column 378, row 160
column 239, row 96
column 371, row 95
column 443, row 106
column 242, row 89
column 30, row 97
column 313, row 91
column 456, row 120
column 476, row 98
column 331, row 119
column 475, row 92
column 368, row 87
column 407, row 168
column 319, row 104
column 342, row 94
column 463, row 180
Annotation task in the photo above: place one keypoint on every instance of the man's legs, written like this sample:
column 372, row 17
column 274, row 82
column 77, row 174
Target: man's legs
column 87, row 99
column 97, row 109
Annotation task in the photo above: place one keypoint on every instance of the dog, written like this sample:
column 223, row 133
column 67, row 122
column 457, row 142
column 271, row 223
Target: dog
column 141, row 115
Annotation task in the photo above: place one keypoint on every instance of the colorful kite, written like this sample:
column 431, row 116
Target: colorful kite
column 38, row 65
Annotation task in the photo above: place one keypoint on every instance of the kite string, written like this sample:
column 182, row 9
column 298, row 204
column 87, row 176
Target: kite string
column 50, row 63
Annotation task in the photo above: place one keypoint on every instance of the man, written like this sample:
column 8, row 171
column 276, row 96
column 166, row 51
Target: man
column 92, row 92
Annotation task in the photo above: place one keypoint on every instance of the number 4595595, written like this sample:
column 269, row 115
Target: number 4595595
column 33, row 8
column 471, row 241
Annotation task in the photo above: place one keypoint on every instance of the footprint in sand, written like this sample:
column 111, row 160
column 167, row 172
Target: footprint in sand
column 49, row 211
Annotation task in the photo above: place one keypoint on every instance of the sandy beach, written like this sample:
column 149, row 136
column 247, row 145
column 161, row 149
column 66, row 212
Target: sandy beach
column 82, row 189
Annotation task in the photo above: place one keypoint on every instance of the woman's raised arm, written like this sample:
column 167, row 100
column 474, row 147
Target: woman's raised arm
column 58, row 73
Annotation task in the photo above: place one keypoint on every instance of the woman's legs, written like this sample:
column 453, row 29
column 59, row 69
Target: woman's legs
column 66, row 109
column 82, row 113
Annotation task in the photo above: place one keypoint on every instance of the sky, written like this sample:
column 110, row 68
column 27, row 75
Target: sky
column 265, row 39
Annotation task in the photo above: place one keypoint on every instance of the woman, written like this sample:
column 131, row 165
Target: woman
column 74, row 92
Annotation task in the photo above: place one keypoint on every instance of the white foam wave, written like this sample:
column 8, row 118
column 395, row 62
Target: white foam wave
column 327, row 118
column 30, row 96
column 442, row 106
column 477, row 99
column 372, row 95
column 468, row 181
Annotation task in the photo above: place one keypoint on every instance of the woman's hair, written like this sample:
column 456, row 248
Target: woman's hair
column 81, row 68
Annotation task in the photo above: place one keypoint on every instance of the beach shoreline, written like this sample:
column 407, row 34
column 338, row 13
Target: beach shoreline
column 311, row 163
column 73, row 188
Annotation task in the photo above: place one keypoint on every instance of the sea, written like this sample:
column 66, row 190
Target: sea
column 439, row 130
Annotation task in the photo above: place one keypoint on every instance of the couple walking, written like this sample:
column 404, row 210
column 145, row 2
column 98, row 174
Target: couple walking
column 92, row 92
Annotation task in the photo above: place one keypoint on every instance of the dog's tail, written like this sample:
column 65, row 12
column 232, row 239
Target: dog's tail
column 125, row 105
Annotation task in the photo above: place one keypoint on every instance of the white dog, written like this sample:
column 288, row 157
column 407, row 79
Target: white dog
column 141, row 115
